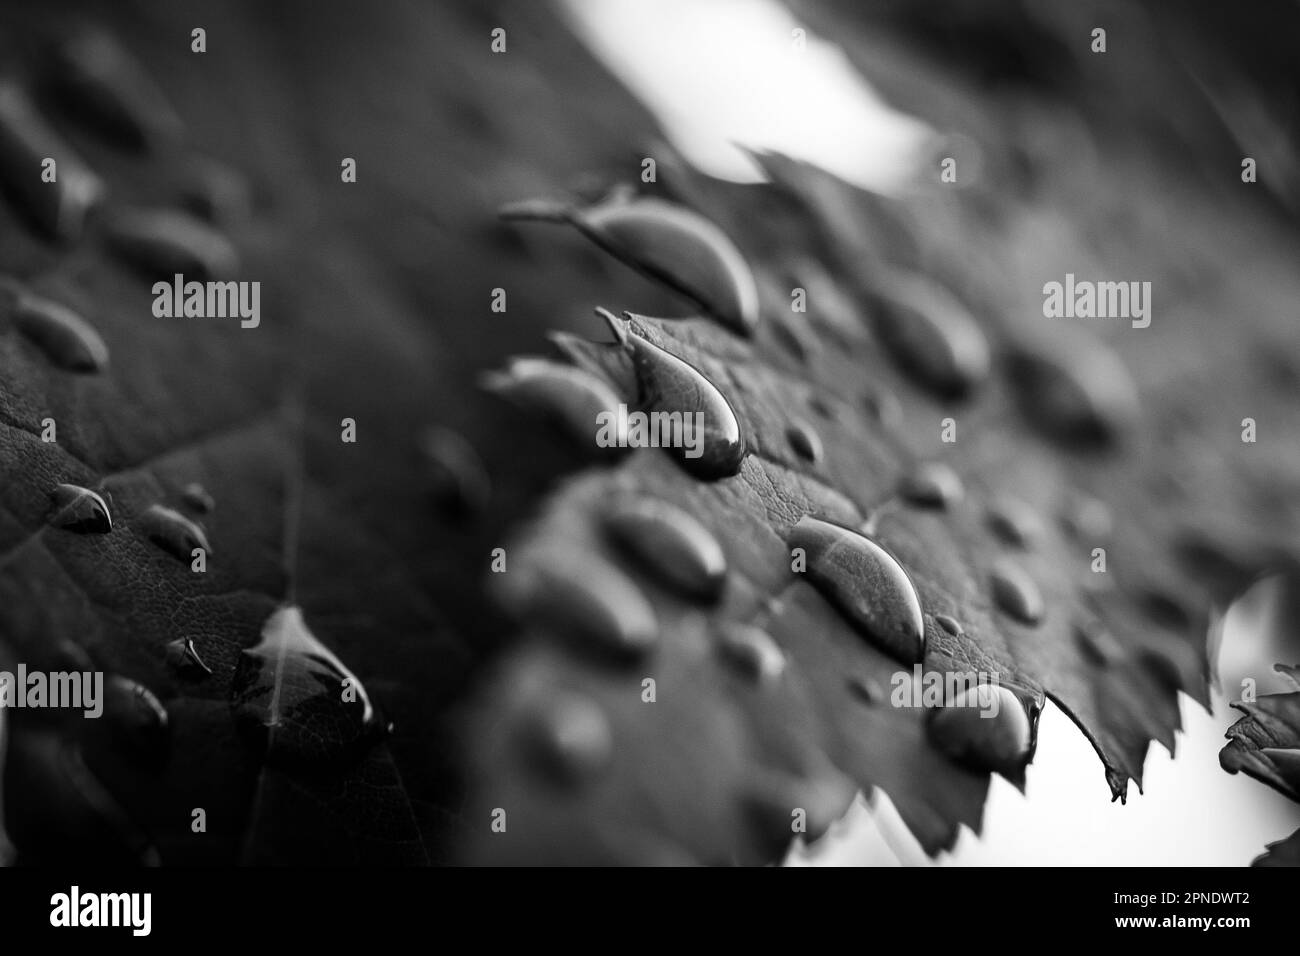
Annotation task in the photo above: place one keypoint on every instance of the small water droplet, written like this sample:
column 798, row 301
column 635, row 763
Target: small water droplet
column 173, row 532
column 292, row 694
column 884, row 407
column 184, row 656
column 1015, row 592
column 68, row 340
column 165, row 242
column 1084, row 396
column 751, row 651
column 668, row 243
column 866, row 583
column 582, row 599
column 931, row 335
column 79, row 509
column 457, row 475
column 805, row 442
column 1088, row 519
column 575, row 399
column 216, row 193
column 1098, row 643
column 931, row 484
column 196, row 498
column 670, row 542
column 137, row 718
column 569, row 737
column 867, row 689
column 1015, row 522
column 949, row 624
column 672, row 385
column 1001, row 742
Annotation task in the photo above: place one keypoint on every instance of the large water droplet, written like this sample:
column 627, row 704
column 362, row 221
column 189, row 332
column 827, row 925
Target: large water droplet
column 166, row 242
column 582, row 599
column 294, row 695
column 1083, row 395
column 173, row 532
column 670, row 385
column 931, row 485
column 866, row 583
column 576, row 400
column 670, row 542
column 79, row 509
column 985, row 727
column 751, row 651
column 60, row 207
column 668, row 243
column 68, row 340
column 1015, row 592
column 932, row 335
column 136, row 718
column 568, row 737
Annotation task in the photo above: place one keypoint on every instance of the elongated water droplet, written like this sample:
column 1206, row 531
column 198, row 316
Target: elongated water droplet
column 805, row 442
column 457, row 474
column 1098, row 643
column 103, row 84
column 568, row 737
column 68, row 340
column 671, row 543
column 1015, row 522
column 184, row 656
column 949, row 624
column 985, row 727
column 59, row 208
column 1015, row 592
column 866, row 583
column 1088, row 519
column 173, row 532
column 707, row 430
column 582, row 599
column 166, row 242
column 931, row 484
column 931, row 335
column 79, row 509
column 136, row 718
column 294, row 696
column 751, row 651
column 668, row 243
column 196, row 498
column 1084, row 395
column 576, row 400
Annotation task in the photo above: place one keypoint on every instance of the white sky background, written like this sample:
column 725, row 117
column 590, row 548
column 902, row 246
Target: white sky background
column 717, row 73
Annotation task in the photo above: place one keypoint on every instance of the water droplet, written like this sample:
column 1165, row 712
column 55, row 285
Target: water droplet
column 866, row 583
column 458, row 478
column 805, row 442
column 184, row 656
column 1098, row 643
column 1015, row 522
column 292, row 694
column 59, row 208
column 1016, row 594
column 102, row 83
column 1088, row 519
column 884, row 407
column 949, row 624
column 574, row 398
column 583, row 599
column 670, row 542
column 668, row 243
column 136, row 717
column 216, row 193
column 931, row 484
column 79, row 509
column 68, row 340
column 196, row 498
column 867, row 689
column 173, row 532
column 1085, row 395
column 931, row 335
column 669, row 384
column 569, row 737
column 1001, row 742
column 165, row 242
column 751, row 651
